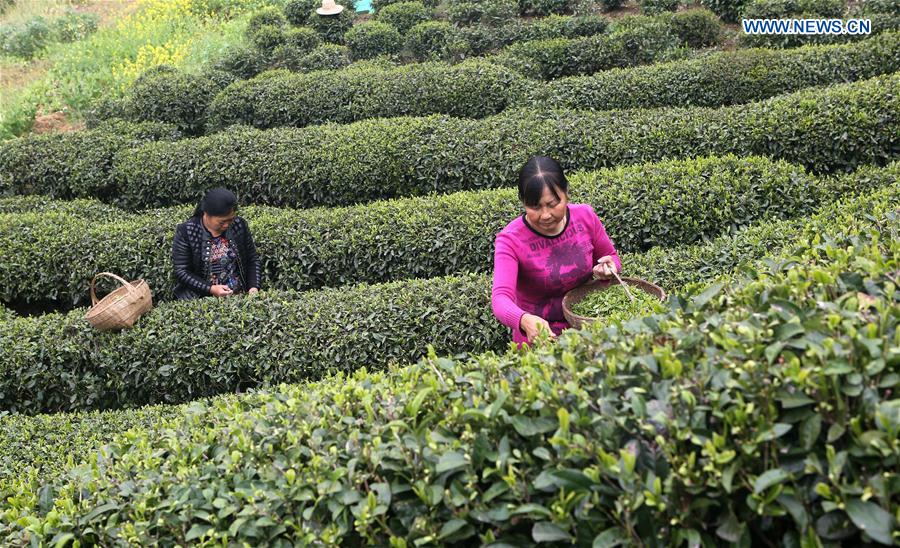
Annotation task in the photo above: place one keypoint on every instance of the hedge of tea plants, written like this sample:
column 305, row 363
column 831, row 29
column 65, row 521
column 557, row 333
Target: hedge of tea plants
column 475, row 89
column 385, row 158
column 80, row 162
column 167, row 95
column 666, row 204
column 726, row 78
column 811, row 9
column 470, row 90
column 188, row 350
column 627, row 46
column 728, row 419
column 45, row 443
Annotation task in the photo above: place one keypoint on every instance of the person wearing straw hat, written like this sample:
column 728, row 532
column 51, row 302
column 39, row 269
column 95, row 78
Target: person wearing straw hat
column 553, row 247
column 213, row 252
column 329, row 8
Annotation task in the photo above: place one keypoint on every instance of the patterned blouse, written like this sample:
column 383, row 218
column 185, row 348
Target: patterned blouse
column 223, row 267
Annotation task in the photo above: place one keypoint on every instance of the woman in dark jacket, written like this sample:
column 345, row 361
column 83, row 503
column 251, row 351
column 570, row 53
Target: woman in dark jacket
column 213, row 251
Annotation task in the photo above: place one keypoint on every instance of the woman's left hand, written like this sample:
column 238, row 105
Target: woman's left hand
column 253, row 290
column 605, row 268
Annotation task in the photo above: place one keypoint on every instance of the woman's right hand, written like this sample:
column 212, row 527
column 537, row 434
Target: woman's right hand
column 532, row 325
column 220, row 290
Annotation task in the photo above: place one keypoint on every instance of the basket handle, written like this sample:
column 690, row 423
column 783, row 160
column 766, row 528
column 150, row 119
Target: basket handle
column 94, row 300
column 624, row 286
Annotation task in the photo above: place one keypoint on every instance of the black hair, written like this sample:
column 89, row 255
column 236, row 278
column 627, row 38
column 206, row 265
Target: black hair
column 217, row 202
column 540, row 172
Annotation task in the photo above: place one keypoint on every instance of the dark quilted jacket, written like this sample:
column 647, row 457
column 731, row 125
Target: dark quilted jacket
column 192, row 243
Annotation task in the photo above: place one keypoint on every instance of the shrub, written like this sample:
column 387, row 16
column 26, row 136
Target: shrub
column 298, row 12
column 45, row 444
column 268, row 37
column 545, row 7
column 324, row 57
column 486, row 12
column 427, row 40
column 482, row 39
column 723, row 398
column 269, row 16
column 373, row 38
column 75, row 164
column 73, row 25
column 340, row 329
column 410, row 238
column 164, row 94
column 890, row 7
column 610, row 5
column 334, row 165
column 380, row 4
column 729, row 10
column 26, row 40
column 302, row 39
column 723, row 78
column 472, row 89
column 332, row 27
column 653, row 7
column 697, row 28
column 778, row 9
column 241, row 61
column 404, row 15
column 625, row 46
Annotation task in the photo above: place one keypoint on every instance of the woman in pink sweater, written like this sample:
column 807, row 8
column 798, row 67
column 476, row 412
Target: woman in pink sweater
column 554, row 247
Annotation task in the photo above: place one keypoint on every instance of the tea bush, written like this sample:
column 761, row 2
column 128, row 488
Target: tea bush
column 187, row 350
column 485, row 12
column 640, row 44
column 482, row 39
column 729, row 10
column 332, row 28
column 335, row 165
column 758, row 411
column 324, row 57
column 665, row 204
column 654, row 7
column 82, row 159
column 698, row 28
column 880, row 23
column 373, row 38
column 719, row 79
column 474, row 89
column 298, row 12
column 547, row 7
column 427, row 41
column 404, row 15
column 165, row 94
column 780, row 9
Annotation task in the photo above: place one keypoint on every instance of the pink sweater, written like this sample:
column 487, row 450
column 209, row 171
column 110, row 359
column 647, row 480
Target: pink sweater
column 533, row 272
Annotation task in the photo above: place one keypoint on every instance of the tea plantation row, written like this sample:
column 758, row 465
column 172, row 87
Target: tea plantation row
column 165, row 94
column 376, row 159
column 187, row 350
column 479, row 89
column 770, row 417
column 50, row 249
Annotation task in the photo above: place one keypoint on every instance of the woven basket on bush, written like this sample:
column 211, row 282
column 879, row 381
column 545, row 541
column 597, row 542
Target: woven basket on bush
column 580, row 292
column 122, row 307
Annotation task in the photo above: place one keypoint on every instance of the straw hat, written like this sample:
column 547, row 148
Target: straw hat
column 329, row 8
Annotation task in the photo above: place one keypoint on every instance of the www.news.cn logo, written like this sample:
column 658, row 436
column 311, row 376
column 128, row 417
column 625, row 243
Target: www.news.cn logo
column 806, row 26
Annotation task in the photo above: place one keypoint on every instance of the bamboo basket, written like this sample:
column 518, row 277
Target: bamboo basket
column 121, row 308
column 580, row 292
